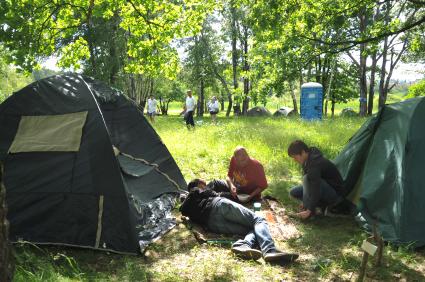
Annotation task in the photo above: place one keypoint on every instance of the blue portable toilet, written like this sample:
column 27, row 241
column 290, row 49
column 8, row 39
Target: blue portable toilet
column 311, row 100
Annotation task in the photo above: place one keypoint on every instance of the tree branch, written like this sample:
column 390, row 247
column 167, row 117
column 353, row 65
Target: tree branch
column 353, row 59
column 370, row 39
column 392, row 86
column 149, row 22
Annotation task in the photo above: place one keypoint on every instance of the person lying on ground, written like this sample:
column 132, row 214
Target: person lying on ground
column 221, row 187
column 246, row 175
column 216, row 185
column 322, row 184
column 220, row 215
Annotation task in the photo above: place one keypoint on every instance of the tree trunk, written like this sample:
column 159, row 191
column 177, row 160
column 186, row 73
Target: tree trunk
column 200, row 103
column 393, row 63
column 113, row 51
column 373, row 69
column 294, row 99
column 329, row 87
column 234, row 38
column 6, row 259
column 372, row 83
column 363, row 81
column 245, row 103
column 363, row 66
column 301, row 81
column 229, row 106
column 382, row 92
column 163, row 105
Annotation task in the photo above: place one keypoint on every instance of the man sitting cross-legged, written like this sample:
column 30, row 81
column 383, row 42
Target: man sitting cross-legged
column 221, row 215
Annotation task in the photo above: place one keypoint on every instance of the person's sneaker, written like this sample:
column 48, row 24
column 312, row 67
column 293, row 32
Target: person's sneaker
column 278, row 256
column 245, row 252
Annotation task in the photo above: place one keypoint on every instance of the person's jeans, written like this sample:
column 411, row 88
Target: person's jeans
column 189, row 119
column 232, row 218
column 327, row 196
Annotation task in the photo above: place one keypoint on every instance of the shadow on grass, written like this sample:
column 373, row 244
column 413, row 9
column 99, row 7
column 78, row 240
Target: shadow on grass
column 52, row 263
column 330, row 248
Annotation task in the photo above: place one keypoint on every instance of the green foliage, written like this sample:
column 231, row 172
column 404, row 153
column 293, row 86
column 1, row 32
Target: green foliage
column 417, row 89
column 167, row 91
column 10, row 78
column 344, row 86
column 40, row 28
column 203, row 54
column 42, row 73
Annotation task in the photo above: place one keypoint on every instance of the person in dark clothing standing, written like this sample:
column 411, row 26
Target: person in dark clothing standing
column 221, row 215
column 322, row 183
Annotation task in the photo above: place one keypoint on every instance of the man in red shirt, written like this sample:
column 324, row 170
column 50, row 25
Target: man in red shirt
column 246, row 175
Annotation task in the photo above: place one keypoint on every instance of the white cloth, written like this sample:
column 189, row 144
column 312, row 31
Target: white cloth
column 190, row 103
column 213, row 106
column 152, row 105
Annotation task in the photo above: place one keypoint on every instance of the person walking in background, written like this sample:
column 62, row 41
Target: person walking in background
column 213, row 108
column 151, row 110
column 189, row 107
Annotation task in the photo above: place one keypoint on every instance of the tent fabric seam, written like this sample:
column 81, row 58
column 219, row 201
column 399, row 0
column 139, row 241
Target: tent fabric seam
column 156, row 167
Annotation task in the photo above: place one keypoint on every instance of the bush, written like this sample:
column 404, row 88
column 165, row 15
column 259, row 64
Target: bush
column 417, row 89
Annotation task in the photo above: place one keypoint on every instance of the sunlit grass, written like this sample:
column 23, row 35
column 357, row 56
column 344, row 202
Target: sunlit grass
column 329, row 248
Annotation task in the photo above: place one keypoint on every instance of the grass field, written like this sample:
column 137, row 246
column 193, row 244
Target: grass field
column 329, row 247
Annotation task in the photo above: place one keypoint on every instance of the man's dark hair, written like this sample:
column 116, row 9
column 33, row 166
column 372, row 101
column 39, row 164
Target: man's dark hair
column 296, row 148
column 193, row 184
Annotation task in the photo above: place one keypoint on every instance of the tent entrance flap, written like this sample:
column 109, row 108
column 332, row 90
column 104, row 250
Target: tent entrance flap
column 50, row 133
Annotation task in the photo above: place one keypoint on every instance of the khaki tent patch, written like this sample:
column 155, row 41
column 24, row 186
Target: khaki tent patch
column 57, row 133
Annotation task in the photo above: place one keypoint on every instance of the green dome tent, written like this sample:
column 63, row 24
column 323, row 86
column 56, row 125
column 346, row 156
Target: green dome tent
column 383, row 167
column 83, row 167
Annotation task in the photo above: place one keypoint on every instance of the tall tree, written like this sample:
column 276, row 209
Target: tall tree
column 203, row 53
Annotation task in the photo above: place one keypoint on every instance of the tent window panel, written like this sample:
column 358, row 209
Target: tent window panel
column 53, row 133
column 134, row 168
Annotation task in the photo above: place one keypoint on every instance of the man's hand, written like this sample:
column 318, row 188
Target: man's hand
column 304, row 214
column 233, row 190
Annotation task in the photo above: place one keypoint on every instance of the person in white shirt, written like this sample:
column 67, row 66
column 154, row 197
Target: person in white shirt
column 189, row 107
column 152, row 103
column 213, row 108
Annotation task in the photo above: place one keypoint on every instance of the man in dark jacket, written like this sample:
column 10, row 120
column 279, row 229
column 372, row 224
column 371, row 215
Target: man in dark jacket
column 322, row 183
column 221, row 215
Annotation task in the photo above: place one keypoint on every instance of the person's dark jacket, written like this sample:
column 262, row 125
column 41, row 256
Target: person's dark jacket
column 318, row 168
column 198, row 204
column 222, row 189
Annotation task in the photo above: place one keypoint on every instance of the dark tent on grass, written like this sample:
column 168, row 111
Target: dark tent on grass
column 284, row 112
column 382, row 166
column 258, row 112
column 83, row 167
